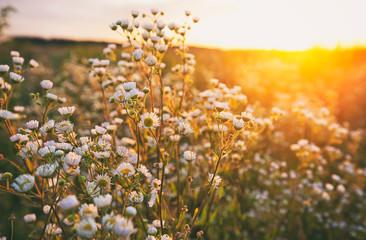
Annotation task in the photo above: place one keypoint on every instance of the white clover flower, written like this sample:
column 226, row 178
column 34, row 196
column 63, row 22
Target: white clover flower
column 4, row 68
column 23, row 183
column 18, row 60
column 69, row 202
column 46, row 84
column 16, row 78
column 123, row 227
column 155, row 184
column 103, row 201
column 149, row 120
column 46, row 170
column 189, row 156
column 150, row 60
column 5, row 114
column 52, row 229
column 33, row 63
column 64, row 126
column 92, row 189
column 30, row 218
column 216, row 182
column 126, row 170
column 86, row 228
column 136, row 197
column 88, row 211
column 184, row 129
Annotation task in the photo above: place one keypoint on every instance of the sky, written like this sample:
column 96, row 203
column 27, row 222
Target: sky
column 228, row 24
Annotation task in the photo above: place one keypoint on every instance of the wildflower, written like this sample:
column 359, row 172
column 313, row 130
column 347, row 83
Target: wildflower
column 33, row 63
column 154, row 11
column 149, row 120
column 143, row 169
column 5, row 114
column 30, row 218
column 46, row 209
column 52, row 229
column 152, row 230
column 64, row 126
column 123, row 227
column 16, row 78
column 165, row 237
column 122, row 151
column 69, row 202
column 29, row 150
column 19, row 138
column 88, row 211
column 46, row 170
column 86, row 228
column 136, row 197
column 23, row 183
column 103, row 181
column 46, row 84
column 184, row 129
column 216, row 181
column 126, row 170
column 47, row 127
column 153, row 197
column 128, row 86
column 4, row 68
column 157, row 223
column 238, row 123
column 133, row 94
column 109, row 220
column 51, row 97
column 150, row 61
column 103, row 201
column 135, row 13
column 247, row 116
column 100, row 130
column 33, row 124
column 92, row 189
column 155, row 184
column 72, row 159
column 119, row 96
column 189, row 156
column 137, row 54
column 14, row 53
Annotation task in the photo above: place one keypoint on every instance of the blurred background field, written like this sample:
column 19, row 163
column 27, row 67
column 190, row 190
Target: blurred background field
column 335, row 79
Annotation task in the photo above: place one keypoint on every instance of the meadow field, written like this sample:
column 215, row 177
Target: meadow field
column 149, row 138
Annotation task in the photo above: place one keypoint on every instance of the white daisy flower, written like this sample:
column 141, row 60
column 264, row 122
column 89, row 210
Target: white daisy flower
column 155, row 184
column 150, row 60
column 238, row 123
column 30, row 218
column 149, row 120
column 122, row 151
column 136, row 197
column 92, row 189
column 153, row 197
column 247, row 116
column 108, row 221
column 184, row 129
column 123, row 227
column 46, row 170
column 126, row 170
column 88, row 211
column 72, row 159
column 51, row 97
column 166, row 237
column 29, row 150
column 216, row 181
column 128, row 86
column 33, row 124
column 69, row 202
column 33, row 63
column 86, row 228
column 103, row 201
column 66, row 111
column 4, row 68
column 16, row 78
column 47, row 127
column 4, row 114
column 189, row 156
column 23, row 183
column 52, row 229
column 64, row 126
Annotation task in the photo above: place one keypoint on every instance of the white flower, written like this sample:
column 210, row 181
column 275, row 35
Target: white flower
column 14, row 53
column 128, row 86
column 135, row 13
column 143, row 169
column 131, row 211
column 238, row 123
column 103, row 201
column 189, row 156
column 103, row 181
column 4, row 68
column 100, row 130
column 46, row 170
column 137, row 54
column 184, row 129
column 152, row 230
column 109, row 221
column 29, row 150
column 133, row 93
column 157, row 223
column 47, row 127
column 52, row 229
column 161, row 48
column 166, row 237
column 33, row 63
column 136, row 197
column 92, row 189
column 99, row 71
column 33, row 124
column 46, row 209
column 18, row 60
column 69, row 202
column 216, row 181
column 46, row 84
column 247, row 116
column 148, row 26
column 64, row 126
column 66, row 111
column 51, row 97
column 150, row 60
column 122, row 151
column 88, row 211
column 30, row 218
column 72, row 159
column 155, row 184
column 16, row 78
column 119, row 96
column 86, row 228
column 153, row 197
column 126, row 170
column 23, row 183
column 123, row 227
column 149, row 120
column 4, row 114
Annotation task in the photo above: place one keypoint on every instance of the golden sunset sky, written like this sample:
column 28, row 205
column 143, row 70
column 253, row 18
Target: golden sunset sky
column 228, row 24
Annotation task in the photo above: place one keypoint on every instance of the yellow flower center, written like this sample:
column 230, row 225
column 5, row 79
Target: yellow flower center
column 87, row 227
column 125, row 171
column 148, row 122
